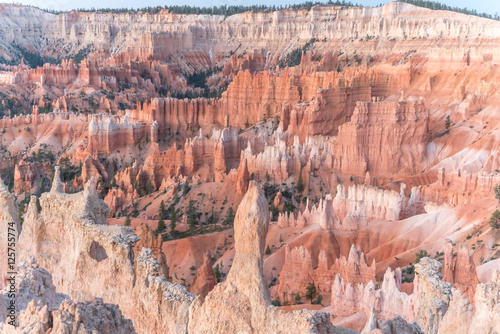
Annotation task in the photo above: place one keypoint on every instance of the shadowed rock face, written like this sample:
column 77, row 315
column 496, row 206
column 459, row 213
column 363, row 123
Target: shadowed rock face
column 242, row 302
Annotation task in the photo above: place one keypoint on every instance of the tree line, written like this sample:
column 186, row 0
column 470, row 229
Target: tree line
column 232, row 10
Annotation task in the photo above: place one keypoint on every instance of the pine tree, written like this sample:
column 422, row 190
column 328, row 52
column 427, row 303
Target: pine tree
column 311, row 291
column 495, row 220
column 186, row 188
column 173, row 219
column 300, row 183
column 161, row 226
column 192, row 216
column 447, row 122
column 497, row 192
column 229, row 220
column 127, row 221
column 218, row 273
column 268, row 250
column 162, row 209
column 149, row 187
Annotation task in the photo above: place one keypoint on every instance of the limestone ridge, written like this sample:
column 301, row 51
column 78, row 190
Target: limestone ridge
column 70, row 238
column 242, row 302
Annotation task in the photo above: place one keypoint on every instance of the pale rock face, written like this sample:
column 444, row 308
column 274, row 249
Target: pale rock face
column 487, row 302
column 398, row 325
column 432, row 295
column 8, row 219
column 108, row 133
column 395, row 325
column 242, row 178
column 42, row 310
column 401, row 128
column 321, row 215
column 100, row 260
column 273, row 161
column 388, row 301
column 461, row 272
column 461, row 317
column 350, row 210
column 434, row 307
column 242, row 302
column 360, row 203
column 149, row 240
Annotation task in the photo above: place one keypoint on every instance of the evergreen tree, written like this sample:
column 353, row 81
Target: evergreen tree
column 497, row 192
column 185, row 188
column 298, row 299
column 127, row 221
column 229, row 220
column 268, row 250
column 420, row 255
column 495, row 220
column 311, row 291
column 192, row 215
column 162, row 209
column 149, row 187
column 300, row 183
column 447, row 122
column 218, row 273
column 161, row 226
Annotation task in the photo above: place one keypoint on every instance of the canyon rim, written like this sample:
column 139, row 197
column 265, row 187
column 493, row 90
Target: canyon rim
column 315, row 168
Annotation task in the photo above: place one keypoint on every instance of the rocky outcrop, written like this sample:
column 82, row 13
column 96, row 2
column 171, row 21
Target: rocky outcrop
column 361, row 203
column 109, row 133
column 10, row 229
column 350, row 210
column 461, row 318
column 242, row 178
column 273, row 162
column 432, row 295
column 174, row 115
column 242, row 301
column 457, row 187
column 460, row 271
column 399, row 129
column 147, row 239
column 394, row 325
column 321, row 215
column 205, row 279
column 100, row 259
column 388, row 301
column 221, row 152
column 40, row 309
column 300, row 269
